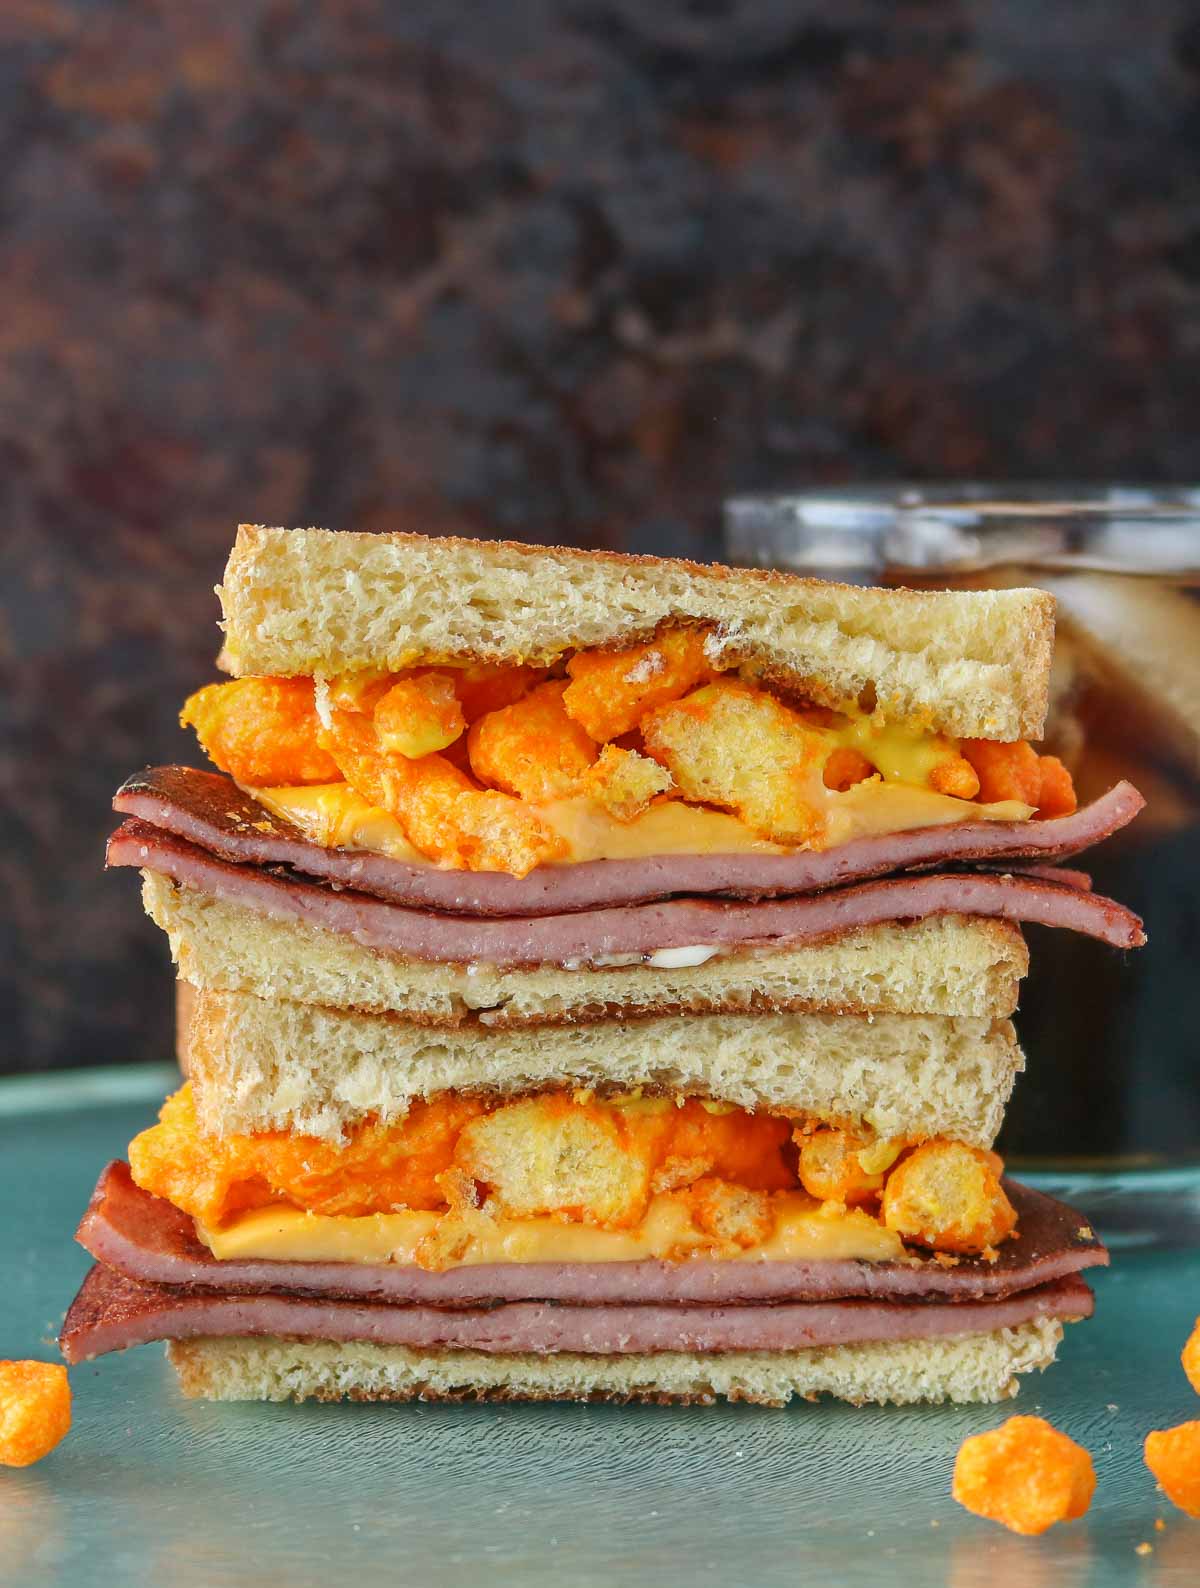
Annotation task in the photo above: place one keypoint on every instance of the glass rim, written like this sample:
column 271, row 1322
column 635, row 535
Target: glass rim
column 970, row 525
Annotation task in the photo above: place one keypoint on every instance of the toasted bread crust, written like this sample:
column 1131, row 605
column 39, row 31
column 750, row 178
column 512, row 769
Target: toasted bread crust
column 315, row 601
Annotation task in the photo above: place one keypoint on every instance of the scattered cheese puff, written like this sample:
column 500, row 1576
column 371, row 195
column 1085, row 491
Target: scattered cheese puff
column 626, row 783
column 610, row 691
column 948, row 1196
column 1005, row 771
column 419, row 715
column 1024, row 1475
column 1173, row 1456
column 262, row 731
column 1190, row 1357
column 532, row 748
column 35, row 1410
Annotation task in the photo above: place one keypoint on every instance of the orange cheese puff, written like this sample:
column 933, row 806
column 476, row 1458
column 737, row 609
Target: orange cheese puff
column 1173, row 1456
column 487, row 686
column 376, row 1169
column 731, row 1213
column 262, row 731
column 610, row 691
column 830, row 1169
column 1190, row 1357
column 845, row 767
column 532, row 748
column 737, row 747
column 1056, row 795
column 419, row 715
column 957, row 777
column 35, row 1410
column 442, row 812
column 1025, row 1475
column 625, row 783
column 1005, row 771
column 948, row 1196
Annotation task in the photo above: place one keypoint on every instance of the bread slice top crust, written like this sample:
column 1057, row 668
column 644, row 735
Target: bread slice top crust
column 320, row 602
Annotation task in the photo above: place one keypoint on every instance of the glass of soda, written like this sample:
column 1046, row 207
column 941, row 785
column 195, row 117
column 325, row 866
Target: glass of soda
column 1108, row 1110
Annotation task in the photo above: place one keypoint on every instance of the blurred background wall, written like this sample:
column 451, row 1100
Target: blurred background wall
column 563, row 269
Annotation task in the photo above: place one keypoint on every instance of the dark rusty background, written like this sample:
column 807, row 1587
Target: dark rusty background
column 557, row 268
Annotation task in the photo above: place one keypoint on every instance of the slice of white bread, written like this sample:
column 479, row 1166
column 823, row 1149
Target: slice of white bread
column 965, row 1368
column 258, row 1064
column 949, row 964
column 314, row 601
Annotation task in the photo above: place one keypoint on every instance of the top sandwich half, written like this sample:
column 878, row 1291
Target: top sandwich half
column 492, row 707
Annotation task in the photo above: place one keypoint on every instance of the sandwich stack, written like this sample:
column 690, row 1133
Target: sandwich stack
column 601, row 976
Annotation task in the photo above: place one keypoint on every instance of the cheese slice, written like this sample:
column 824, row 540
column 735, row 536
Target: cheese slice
column 803, row 1228
column 334, row 816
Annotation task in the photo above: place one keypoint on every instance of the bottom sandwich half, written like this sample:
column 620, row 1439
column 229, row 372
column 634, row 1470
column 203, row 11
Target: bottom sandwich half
column 756, row 1206
column 758, row 1330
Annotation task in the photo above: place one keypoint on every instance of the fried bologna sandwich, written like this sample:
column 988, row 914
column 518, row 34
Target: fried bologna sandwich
column 600, row 975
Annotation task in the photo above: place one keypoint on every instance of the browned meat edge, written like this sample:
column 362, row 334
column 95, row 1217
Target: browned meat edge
column 588, row 936
column 149, row 1239
column 210, row 810
column 111, row 1313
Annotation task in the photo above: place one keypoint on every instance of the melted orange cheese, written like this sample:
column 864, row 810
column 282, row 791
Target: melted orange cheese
column 803, row 1228
column 334, row 816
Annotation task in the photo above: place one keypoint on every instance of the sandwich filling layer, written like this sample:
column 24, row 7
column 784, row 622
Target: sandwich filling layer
column 113, row 1313
column 569, row 1176
column 148, row 1239
column 635, row 932
column 212, row 813
column 660, row 748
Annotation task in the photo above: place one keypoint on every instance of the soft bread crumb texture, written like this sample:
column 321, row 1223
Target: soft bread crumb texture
column 981, row 1367
column 314, row 601
column 1025, row 1475
column 275, row 1065
column 945, row 965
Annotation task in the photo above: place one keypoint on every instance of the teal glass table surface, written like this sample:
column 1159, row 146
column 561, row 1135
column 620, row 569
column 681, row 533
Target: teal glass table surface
column 152, row 1489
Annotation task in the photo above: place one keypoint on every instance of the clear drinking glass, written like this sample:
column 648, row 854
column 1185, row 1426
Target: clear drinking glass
column 1109, row 1107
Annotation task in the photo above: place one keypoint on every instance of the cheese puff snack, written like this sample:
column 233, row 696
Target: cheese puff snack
column 1173, row 1456
column 734, row 746
column 262, row 731
column 625, row 783
column 1190, row 1357
column 948, row 1196
column 419, row 715
column 440, row 809
column 1025, row 1475
column 610, row 691
column 532, row 748
column 832, row 1170
column 35, row 1410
